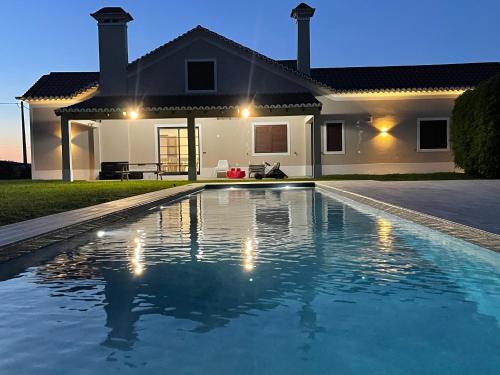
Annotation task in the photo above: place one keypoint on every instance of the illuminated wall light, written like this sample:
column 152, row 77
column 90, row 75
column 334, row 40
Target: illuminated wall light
column 384, row 132
column 245, row 113
column 124, row 113
column 134, row 115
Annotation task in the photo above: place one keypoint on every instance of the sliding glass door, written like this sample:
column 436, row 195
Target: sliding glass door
column 173, row 150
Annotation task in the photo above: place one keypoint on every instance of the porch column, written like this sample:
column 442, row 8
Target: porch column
column 316, row 148
column 191, row 132
column 67, row 170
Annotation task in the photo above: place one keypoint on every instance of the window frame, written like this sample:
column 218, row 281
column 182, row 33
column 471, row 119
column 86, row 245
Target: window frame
column 186, row 76
column 271, row 123
column 447, row 119
column 325, row 145
column 198, row 127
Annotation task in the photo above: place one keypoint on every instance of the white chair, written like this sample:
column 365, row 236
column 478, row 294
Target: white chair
column 221, row 169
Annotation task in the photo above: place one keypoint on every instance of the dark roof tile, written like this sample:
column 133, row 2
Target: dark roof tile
column 191, row 102
column 406, row 78
column 61, row 85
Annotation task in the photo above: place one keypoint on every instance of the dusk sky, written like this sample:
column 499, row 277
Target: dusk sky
column 39, row 36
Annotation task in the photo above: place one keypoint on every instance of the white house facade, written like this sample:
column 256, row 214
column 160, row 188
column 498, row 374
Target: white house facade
column 202, row 98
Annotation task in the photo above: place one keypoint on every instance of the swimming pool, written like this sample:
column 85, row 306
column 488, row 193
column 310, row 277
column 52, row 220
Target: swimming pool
column 254, row 281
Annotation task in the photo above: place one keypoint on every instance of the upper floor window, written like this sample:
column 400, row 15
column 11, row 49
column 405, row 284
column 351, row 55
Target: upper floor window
column 433, row 134
column 334, row 137
column 201, row 76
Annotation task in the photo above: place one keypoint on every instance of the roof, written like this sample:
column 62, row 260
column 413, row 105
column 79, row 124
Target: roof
column 202, row 31
column 406, row 78
column 192, row 102
column 62, row 85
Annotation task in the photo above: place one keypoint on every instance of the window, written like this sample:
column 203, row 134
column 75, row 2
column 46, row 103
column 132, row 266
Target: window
column 200, row 75
column 432, row 134
column 173, row 150
column 334, row 137
column 270, row 138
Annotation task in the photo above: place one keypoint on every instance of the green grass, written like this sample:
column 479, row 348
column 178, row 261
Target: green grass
column 25, row 199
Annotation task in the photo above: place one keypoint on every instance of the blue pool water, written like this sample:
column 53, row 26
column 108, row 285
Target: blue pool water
column 254, row 282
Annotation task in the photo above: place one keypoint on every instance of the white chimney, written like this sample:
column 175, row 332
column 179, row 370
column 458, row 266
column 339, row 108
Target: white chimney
column 303, row 13
column 113, row 50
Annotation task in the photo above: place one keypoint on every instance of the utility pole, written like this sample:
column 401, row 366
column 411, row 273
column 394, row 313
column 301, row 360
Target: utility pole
column 25, row 157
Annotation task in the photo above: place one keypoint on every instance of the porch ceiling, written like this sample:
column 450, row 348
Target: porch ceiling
column 210, row 105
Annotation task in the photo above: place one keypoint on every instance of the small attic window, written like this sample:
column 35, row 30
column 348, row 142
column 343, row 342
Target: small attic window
column 200, row 76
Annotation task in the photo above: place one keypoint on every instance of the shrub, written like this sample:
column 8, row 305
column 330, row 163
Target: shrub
column 10, row 170
column 475, row 130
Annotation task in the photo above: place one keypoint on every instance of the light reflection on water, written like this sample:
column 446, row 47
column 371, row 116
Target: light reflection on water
column 255, row 282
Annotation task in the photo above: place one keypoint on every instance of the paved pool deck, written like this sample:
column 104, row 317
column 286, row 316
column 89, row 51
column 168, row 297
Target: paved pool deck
column 475, row 203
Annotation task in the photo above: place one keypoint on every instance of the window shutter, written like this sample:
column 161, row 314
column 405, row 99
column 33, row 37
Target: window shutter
column 269, row 139
column 279, row 139
column 262, row 139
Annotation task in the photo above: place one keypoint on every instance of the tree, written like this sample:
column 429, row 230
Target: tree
column 475, row 130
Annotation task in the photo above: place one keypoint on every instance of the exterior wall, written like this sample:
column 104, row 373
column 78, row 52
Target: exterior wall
column 166, row 75
column 220, row 139
column 367, row 151
column 45, row 128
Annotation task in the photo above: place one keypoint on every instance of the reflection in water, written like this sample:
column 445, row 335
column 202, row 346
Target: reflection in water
column 248, row 255
column 256, row 282
column 384, row 227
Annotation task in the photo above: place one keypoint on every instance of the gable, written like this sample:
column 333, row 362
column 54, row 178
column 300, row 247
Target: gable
column 163, row 72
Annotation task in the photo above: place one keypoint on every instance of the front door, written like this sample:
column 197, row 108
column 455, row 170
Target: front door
column 173, row 150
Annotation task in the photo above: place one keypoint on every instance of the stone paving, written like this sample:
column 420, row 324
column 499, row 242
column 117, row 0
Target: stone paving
column 475, row 203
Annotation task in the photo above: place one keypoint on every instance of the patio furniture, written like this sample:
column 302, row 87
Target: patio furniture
column 221, row 168
column 236, row 173
column 125, row 172
column 114, row 170
column 256, row 169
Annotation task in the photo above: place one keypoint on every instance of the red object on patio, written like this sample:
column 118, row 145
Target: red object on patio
column 235, row 173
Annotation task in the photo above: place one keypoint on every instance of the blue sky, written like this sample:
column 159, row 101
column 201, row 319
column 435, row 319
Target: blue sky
column 39, row 36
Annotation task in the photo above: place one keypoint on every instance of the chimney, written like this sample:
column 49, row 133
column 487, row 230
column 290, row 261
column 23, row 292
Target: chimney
column 303, row 13
column 113, row 50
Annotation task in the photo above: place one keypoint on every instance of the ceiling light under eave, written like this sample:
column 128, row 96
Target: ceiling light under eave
column 245, row 112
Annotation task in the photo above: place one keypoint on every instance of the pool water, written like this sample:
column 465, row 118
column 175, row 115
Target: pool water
column 254, row 282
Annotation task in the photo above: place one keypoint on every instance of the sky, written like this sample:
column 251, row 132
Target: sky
column 40, row 36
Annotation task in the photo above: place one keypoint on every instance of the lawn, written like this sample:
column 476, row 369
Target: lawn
column 26, row 199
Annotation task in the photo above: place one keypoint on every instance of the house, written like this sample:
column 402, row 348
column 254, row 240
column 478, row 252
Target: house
column 201, row 98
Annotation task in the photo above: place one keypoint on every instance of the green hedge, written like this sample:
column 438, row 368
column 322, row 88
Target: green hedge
column 10, row 170
column 475, row 130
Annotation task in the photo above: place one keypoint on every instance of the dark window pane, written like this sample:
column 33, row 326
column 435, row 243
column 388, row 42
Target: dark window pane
column 334, row 136
column 433, row 134
column 201, row 75
column 271, row 139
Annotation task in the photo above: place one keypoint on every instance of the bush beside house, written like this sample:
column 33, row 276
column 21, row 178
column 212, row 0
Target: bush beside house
column 10, row 170
column 475, row 130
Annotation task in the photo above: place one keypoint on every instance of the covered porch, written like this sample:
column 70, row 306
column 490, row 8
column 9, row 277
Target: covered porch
column 187, row 135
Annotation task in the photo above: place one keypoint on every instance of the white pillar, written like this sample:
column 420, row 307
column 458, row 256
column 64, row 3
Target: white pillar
column 191, row 130
column 67, row 170
column 317, row 169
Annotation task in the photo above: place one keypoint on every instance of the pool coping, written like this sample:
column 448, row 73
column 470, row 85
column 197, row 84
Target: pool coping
column 25, row 237
column 473, row 235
